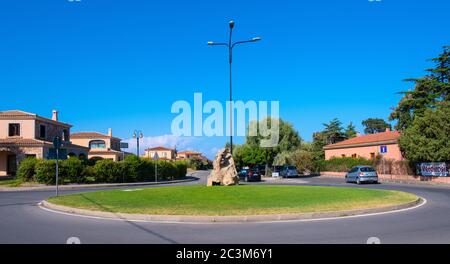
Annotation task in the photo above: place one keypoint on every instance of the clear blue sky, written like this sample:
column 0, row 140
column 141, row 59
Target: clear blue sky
column 122, row 64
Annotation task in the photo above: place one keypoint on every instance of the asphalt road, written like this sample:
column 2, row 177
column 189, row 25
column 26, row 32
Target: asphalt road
column 22, row 221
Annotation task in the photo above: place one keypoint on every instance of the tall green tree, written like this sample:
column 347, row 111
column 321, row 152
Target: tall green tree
column 427, row 139
column 428, row 92
column 334, row 132
column 375, row 125
column 350, row 131
column 289, row 140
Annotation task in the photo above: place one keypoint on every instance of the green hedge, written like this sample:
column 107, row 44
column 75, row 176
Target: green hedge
column 26, row 170
column 343, row 164
column 73, row 170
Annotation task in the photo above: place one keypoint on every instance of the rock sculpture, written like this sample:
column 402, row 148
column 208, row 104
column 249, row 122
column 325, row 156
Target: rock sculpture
column 224, row 170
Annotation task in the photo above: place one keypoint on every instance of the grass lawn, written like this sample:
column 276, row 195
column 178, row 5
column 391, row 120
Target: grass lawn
column 10, row 183
column 234, row 200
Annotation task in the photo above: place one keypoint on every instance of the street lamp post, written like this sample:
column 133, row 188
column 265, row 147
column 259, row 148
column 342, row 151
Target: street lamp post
column 137, row 134
column 230, row 45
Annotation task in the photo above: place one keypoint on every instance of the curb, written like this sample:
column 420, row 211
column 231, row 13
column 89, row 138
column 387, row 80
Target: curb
column 92, row 186
column 227, row 219
column 404, row 182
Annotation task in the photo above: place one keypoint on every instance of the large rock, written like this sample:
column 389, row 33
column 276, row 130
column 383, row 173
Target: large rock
column 224, row 171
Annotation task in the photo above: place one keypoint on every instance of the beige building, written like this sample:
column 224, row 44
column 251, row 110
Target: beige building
column 367, row 146
column 188, row 154
column 25, row 135
column 100, row 145
column 163, row 153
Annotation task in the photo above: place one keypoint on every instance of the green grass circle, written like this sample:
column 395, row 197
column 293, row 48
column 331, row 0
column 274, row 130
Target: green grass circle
column 234, row 200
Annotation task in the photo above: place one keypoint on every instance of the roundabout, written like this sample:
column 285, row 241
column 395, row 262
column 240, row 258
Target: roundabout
column 22, row 220
column 245, row 203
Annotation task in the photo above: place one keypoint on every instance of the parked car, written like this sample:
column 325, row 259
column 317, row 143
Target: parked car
column 262, row 169
column 276, row 171
column 250, row 175
column 289, row 171
column 361, row 174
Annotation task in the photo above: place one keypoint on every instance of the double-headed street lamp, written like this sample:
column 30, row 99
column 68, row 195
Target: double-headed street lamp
column 137, row 134
column 230, row 45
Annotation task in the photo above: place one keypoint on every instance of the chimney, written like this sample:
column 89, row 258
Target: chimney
column 110, row 132
column 55, row 115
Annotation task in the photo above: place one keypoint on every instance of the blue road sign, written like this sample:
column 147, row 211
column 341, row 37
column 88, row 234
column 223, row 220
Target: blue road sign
column 62, row 154
column 57, row 142
column 383, row 149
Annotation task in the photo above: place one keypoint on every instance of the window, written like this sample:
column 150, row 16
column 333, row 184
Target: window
column 42, row 131
column 97, row 144
column 354, row 156
column 343, row 155
column 367, row 169
column 66, row 135
column 372, row 155
column 14, row 130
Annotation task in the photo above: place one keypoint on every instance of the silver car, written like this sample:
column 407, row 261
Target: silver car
column 362, row 174
column 289, row 171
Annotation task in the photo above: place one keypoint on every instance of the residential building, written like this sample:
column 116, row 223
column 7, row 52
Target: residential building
column 188, row 154
column 367, row 146
column 100, row 145
column 162, row 152
column 24, row 134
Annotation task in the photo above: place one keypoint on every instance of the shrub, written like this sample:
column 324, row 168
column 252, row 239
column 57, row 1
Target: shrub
column 45, row 171
column 199, row 164
column 71, row 170
column 181, row 168
column 26, row 169
column 108, row 171
column 166, row 170
column 343, row 164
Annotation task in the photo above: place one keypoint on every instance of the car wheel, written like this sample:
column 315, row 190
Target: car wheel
column 358, row 181
column 246, row 179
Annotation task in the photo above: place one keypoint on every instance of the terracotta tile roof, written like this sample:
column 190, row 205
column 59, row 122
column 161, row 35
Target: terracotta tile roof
column 371, row 139
column 159, row 148
column 11, row 114
column 7, row 142
column 79, row 135
column 22, row 142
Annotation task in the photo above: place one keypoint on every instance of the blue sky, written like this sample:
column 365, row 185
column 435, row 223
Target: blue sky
column 122, row 64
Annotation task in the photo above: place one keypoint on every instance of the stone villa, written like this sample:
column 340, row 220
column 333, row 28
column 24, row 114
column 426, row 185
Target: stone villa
column 100, row 145
column 25, row 135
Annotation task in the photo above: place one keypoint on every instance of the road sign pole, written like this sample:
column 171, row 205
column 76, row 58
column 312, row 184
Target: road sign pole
column 156, row 171
column 57, row 156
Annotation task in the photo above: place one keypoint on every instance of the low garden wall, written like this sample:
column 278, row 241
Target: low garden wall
column 395, row 178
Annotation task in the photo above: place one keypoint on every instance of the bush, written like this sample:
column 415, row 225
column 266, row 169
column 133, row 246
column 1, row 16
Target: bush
column 26, row 169
column 181, row 169
column 343, row 164
column 71, row 170
column 303, row 160
column 199, row 164
column 108, row 171
column 45, row 171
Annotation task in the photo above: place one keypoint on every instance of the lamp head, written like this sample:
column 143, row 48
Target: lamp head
column 210, row 43
column 256, row 39
column 231, row 24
